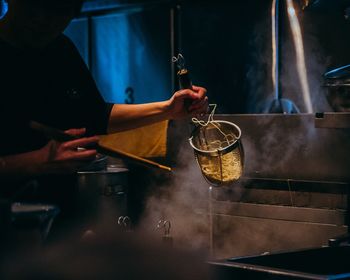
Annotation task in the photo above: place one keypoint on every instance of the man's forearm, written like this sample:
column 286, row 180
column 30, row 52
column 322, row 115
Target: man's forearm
column 130, row 116
column 21, row 165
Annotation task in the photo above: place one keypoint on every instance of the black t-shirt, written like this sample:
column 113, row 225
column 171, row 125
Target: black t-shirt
column 52, row 86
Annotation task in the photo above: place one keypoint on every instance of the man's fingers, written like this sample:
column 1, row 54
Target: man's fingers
column 80, row 155
column 185, row 93
column 76, row 131
column 81, row 142
column 200, row 91
column 201, row 104
column 85, row 155
column 194, row 93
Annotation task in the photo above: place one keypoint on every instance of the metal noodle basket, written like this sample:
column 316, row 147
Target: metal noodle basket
column 218, row 151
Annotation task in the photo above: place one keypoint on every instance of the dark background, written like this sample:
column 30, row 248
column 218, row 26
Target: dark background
column 226, row 44
column 128, row 45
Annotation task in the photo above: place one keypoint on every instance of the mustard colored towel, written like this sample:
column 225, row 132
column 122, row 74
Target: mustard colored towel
column 147, row 141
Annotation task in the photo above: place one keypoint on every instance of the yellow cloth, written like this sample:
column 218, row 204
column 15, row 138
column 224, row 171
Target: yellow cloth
column 147, row 141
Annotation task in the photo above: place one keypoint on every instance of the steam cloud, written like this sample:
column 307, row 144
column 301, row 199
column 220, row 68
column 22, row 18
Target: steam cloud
column 259, row 78
column 185, row 201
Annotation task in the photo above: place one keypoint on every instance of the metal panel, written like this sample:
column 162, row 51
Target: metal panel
column 281, row 147
column 282, row 213
column 240, row 236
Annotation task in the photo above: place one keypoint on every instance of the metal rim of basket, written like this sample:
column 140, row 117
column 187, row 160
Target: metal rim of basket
column 218, row 152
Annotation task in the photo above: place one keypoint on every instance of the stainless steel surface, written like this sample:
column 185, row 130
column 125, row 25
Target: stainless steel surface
column 290, row 213
column 103, row 195
column 342, row 72
column 339, row 98
column 282, row 146
column 253, row 219
column 338, row 91
column 314, row 263
column 332, row 120
column 324, row 5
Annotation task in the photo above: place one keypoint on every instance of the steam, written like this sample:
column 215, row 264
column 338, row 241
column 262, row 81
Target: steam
column 239, row 227
column 274, row 45
column 300, row 56
column 183, row 202
column 302, row 60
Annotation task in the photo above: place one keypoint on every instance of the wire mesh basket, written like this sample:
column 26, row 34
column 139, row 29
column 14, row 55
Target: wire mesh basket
column 219, row 152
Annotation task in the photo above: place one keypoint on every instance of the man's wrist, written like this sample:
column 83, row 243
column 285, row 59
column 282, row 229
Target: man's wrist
column 167, row 110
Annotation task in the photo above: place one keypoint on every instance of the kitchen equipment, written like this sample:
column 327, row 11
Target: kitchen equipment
column 313, row 263
column 102, row 187
column 165, row 226
column 183, row 77
column 219, row 154
column 183, row 73
column 28, row 216
column 216, row 144
column 125, row 223
column 337, row 82
column 218, row 151
column 102, row 195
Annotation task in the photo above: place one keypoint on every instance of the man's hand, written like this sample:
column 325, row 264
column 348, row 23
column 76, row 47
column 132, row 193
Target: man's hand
column 130, row 116
column 68, row 157
column 198, row 103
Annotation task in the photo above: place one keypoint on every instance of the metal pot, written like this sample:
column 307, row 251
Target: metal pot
column 337, row 82
column 102, row 195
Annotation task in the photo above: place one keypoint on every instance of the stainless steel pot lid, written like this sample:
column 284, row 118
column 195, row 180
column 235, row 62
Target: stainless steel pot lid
column 110, row 169
column 99, row 163
column 342, row 73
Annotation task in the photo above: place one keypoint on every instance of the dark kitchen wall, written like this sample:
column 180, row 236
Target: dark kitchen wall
column 226, row 44
column 131, row 47
column 217, row 39
column 127, row 48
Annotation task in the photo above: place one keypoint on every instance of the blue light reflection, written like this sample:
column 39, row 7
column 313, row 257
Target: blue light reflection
column 127, row 55
column 3, row 8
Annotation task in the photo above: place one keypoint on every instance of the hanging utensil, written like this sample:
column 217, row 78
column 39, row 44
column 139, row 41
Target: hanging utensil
column 183, row 77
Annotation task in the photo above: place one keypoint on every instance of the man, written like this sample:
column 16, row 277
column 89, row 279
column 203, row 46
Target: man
column 43, row 78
